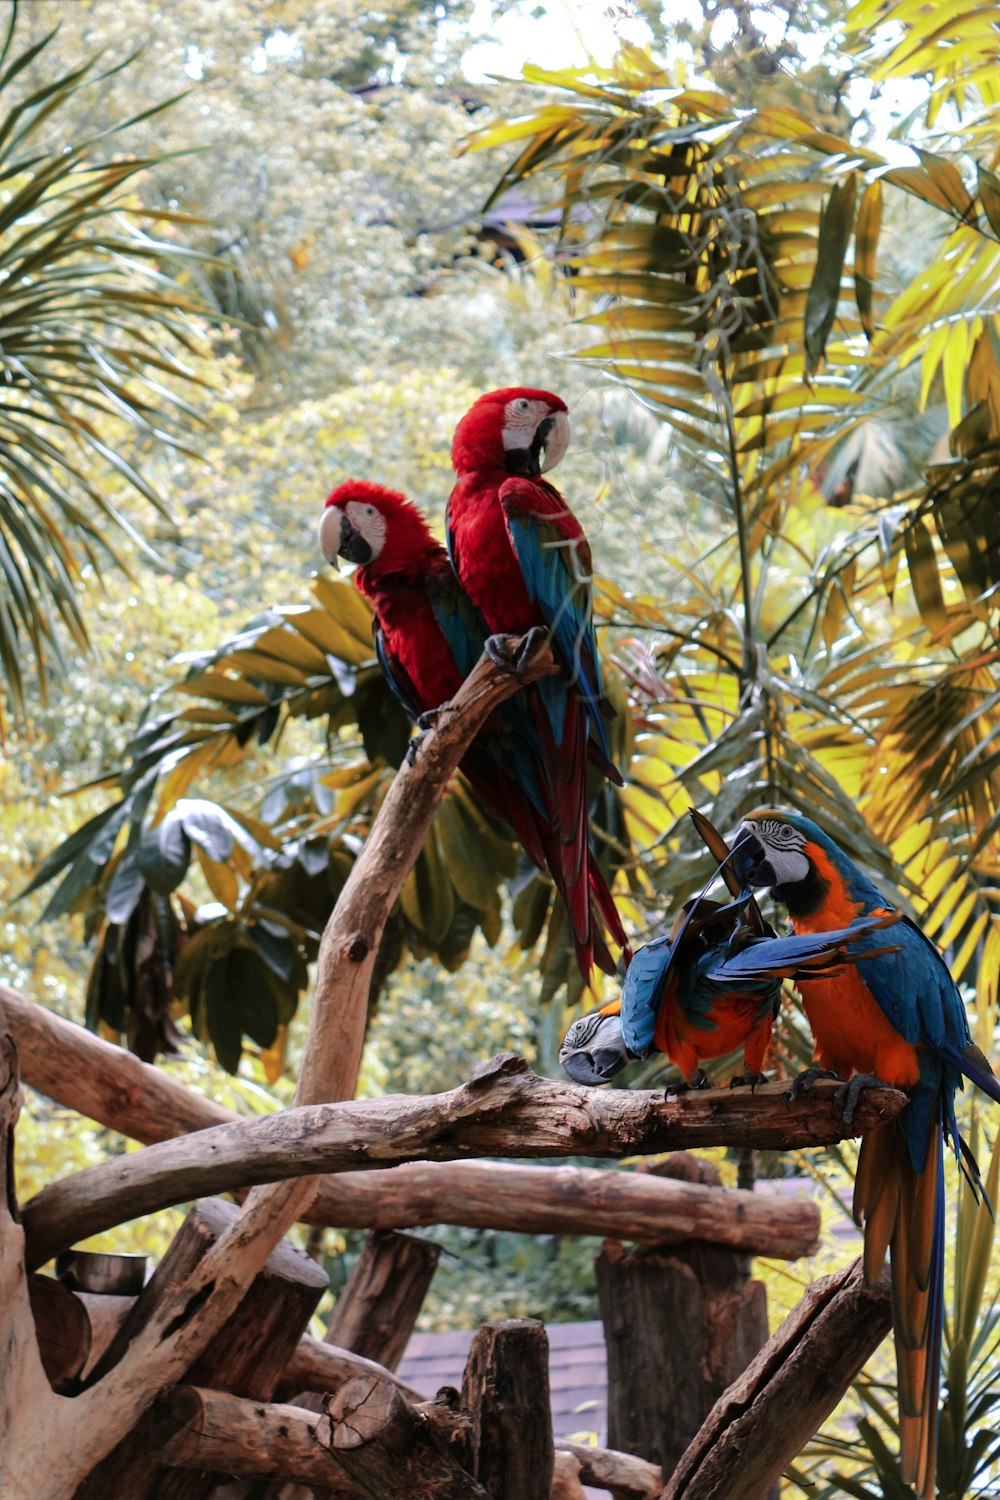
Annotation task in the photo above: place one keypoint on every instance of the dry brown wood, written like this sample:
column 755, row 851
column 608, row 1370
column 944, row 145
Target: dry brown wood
column 392, row 1450
column 318, row 1366
column 378, row 1308
column 505, row 1391
column 189, row 1311
column 505, row 1110
column 768, row 1415
column 247, row 1356
column 627, row 1477
column 114, row 1088
column 205, row 1429
column 62, row 1328
column 566, row 1477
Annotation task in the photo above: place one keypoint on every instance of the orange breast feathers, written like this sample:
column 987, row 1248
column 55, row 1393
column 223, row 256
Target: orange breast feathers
column 851, row 1031
column 735, row 1023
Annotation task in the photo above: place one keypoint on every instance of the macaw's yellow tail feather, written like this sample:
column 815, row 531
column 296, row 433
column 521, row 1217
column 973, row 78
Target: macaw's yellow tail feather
column 904, row 1210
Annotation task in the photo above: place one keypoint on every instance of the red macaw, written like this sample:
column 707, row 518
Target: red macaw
column 894, row 1017
column 428, row 637
column 521, row 557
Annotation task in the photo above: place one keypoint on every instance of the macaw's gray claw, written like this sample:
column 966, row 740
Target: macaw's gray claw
column 413, row 748
column 851, row 1092
column 429, row 720
column 699, row 1080
column 497, row 648
column 747, row 1080
column 804, row 1081
column 529, row 645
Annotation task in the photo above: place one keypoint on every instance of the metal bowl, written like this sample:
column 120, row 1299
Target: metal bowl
column 97, row 1271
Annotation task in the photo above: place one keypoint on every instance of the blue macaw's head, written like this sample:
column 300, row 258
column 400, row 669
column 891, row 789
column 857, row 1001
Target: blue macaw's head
column 593, row 1049
column 803, row 865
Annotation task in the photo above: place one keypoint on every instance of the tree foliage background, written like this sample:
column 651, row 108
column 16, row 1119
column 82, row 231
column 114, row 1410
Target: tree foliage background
column 759, row 253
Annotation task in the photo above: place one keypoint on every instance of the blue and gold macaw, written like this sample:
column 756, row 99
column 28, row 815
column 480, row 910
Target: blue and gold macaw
column 707, row 989
column 895, row 1016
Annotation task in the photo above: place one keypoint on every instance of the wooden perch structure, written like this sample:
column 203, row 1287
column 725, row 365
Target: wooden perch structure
column 769, row 1414
column 113, row 1087
column 505, row 1110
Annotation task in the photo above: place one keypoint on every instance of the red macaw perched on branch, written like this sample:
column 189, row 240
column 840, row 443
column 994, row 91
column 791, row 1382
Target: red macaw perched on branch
column 428, row 637
column 894, row 1017
column 522, row 558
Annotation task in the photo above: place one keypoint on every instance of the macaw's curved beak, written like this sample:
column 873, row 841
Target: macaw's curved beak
column 596, row 1056
column 748, row 859
column 339, row 539
column 548, row 445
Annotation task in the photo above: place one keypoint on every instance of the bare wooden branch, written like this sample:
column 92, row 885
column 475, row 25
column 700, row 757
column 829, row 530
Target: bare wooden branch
column 190, row 1311
column 392, row 1450
column 62, row 1328
column 204, row 1429
column 627, row 1477
column 783, row 1397
column 506, row 1394
column 318, row 1366
column 247, row 1357
column 504, row 1111
column 111, row 1086
column 378, row 1308
column 566, row 1483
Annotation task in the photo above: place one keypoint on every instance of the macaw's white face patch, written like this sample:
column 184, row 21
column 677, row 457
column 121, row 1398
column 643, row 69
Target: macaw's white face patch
column 531, row 427
column 783, row 845
column 355, row 531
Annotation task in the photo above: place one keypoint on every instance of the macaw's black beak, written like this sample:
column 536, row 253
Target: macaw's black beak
column 352, row 547
column 748, row 860
column 528, row 461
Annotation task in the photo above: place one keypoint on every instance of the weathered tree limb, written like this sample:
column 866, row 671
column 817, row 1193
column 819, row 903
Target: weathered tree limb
column 566, row 1483
column 111, row 1086
column 318, row 1366
column 190, row 1311
column 204, row 1429
column 627, row 1477
column 505, row 1391
column 247, row 1356
column 504, row 1111
column 392, row 1450
column 62, row 1329
column 768, row 1415
column 378, row 1308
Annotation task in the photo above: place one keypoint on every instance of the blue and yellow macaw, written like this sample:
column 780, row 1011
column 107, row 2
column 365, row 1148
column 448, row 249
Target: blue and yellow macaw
column 707, row 989
column 895, row 1016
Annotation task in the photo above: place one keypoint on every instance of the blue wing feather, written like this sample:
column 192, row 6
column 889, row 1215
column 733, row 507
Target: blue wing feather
column 642, row 994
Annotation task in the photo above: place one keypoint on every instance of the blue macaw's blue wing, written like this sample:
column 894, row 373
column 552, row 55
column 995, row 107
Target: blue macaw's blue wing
column 782, row 957
column 642, row 994
column 914, row 988
column 557, row 576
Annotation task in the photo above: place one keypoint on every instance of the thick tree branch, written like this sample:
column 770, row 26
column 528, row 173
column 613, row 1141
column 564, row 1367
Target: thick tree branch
column 782, row 1398
column 191, row 1310
column 505, row 1111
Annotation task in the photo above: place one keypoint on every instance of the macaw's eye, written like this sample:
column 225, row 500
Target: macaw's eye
column 369, row 510
column 522, row 403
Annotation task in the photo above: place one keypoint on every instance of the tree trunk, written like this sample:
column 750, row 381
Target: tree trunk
column 378, row 1308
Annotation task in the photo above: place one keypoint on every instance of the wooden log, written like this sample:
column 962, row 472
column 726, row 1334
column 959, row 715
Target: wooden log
column 199, row 1429
column 566, row 1483
column 378, row 1308
column 111, row 1086
column 318, row 1366
column 505, row 1391
column 627, row 1477
column 62, row 1329
column 783, row 1397
column 105, row 1314
column 390, row 1449
column 247, row 1357
column 680, row 1325
column 505, row 1110
column 191, row 1311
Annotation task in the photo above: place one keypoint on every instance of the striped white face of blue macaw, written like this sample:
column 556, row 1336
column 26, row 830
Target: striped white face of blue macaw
column 771, row 851
column 593, row 1049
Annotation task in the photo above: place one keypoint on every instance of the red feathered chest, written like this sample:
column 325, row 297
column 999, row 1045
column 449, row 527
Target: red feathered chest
column 413, row 638
column 485, row 561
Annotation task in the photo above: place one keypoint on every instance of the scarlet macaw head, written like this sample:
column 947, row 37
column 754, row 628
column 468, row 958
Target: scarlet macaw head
column 364, row 523
column 518, row 430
